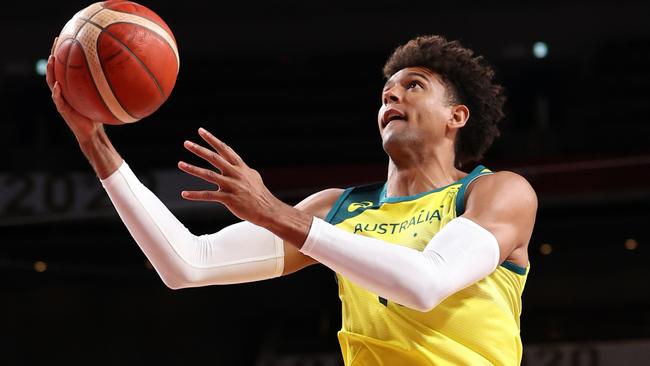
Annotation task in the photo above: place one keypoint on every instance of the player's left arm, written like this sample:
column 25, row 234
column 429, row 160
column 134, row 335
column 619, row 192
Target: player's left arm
column 504, row 204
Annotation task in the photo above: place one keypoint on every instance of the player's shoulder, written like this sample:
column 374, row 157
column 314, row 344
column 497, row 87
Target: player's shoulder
column 321, row 202
column 505, row 178
column 327, row 195
column 503, row 185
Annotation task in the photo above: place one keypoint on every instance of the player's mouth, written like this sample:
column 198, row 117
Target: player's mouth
column 393, row 115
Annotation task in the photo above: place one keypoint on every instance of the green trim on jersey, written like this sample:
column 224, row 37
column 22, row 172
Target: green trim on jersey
column 360, row 198
column 337, row 204
column 475, row 173
column 514, row 268
column 372, row 196
column 479, row 171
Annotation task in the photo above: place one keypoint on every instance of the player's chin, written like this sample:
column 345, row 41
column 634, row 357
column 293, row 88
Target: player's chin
column 385, row 130
column 395, row 130
column 393, row 140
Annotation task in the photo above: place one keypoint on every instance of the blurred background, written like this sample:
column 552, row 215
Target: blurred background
column 295, row 87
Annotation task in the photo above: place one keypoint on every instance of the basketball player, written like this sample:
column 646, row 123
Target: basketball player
column 431, row 264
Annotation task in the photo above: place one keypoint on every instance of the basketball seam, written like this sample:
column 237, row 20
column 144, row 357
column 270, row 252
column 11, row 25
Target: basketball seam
column 163, row 26
column 101, row 97
column 74, row 39
column 135, row 57
column 162, row 93
column 88, row 21
column 117, row 97
column 171, row 43
column 67, row 58
column 97, row 12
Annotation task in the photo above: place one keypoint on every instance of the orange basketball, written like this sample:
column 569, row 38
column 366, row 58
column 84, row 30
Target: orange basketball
column 116, row 62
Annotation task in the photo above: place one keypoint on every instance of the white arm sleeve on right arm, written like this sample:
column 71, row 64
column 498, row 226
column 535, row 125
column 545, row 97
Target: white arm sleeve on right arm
column 242, row 252
column 460, row 254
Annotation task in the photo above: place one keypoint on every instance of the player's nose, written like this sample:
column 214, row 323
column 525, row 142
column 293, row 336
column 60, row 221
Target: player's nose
column 392, row 95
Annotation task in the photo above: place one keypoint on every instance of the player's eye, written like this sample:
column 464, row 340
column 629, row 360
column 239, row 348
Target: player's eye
column 413, row 84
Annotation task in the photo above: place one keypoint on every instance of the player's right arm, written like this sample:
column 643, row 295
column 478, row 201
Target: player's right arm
column 239, row 253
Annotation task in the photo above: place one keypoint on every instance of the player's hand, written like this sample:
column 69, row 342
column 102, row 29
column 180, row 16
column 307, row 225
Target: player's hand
column 82, row 127
column 239, row 187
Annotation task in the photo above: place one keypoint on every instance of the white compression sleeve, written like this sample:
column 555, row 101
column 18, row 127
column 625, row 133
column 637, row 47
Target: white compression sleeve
column 460, row 254
column 242, row 252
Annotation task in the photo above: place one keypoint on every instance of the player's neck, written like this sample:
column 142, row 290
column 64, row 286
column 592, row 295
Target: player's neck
column 410, row 179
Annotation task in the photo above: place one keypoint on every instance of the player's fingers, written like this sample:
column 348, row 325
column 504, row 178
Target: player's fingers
column 210, row 156
column 49, row 74
column 213, row 196
column 206, row 174
column 229, row 154
column 53, row 45
column 60, row 104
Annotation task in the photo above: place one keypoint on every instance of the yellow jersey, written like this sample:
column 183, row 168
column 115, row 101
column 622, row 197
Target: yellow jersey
column 478, row 325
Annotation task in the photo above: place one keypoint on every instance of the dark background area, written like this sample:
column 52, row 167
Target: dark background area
column 295, row 88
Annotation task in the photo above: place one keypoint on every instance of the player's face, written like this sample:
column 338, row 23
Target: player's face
column 414, row 109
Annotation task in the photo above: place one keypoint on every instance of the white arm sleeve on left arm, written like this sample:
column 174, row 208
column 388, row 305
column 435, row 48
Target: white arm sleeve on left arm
column 460, row 254
column 242, row 252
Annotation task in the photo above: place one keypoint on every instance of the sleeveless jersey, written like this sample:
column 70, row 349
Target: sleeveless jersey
column 478, row 325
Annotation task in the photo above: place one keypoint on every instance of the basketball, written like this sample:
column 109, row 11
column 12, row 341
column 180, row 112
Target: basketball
column 116, row 62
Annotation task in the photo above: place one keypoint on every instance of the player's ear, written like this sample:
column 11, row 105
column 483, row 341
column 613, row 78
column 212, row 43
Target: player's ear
column 458, row 116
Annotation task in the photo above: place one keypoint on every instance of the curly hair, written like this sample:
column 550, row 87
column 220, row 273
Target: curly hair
column 468, row 80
